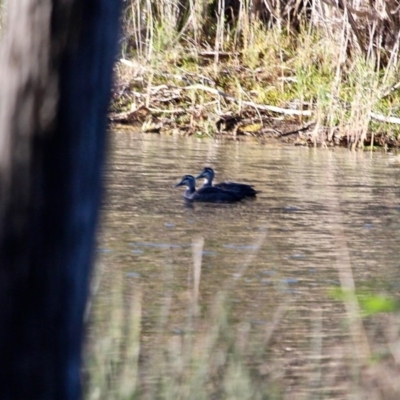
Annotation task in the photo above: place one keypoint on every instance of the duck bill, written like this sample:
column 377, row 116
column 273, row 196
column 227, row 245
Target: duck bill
column 181, row 183
column 200, row 176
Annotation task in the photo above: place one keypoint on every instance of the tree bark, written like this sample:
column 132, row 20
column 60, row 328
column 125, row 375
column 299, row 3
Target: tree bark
column 56, row 64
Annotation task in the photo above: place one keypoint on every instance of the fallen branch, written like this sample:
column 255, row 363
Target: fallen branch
column 264, row 107
column 250, row 103
column 174, row 111
column 384, row 118
column 297, row 131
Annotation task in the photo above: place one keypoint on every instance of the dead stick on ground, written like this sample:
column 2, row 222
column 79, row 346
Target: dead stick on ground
column 296, row 131
column 250, row 103
column 384, row 118
column 378, row 117
column 373, row 115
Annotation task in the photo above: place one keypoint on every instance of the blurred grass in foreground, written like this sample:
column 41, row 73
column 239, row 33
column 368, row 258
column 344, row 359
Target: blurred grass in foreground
column 220, row 355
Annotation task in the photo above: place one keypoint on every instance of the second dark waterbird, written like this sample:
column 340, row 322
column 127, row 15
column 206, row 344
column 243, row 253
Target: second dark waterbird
column 210, row 194
column 241, row 189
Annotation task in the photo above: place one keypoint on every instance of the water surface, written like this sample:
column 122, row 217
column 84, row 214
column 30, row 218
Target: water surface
column 324, row 219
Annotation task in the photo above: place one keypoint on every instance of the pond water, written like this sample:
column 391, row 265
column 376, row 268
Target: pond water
column 259, row 295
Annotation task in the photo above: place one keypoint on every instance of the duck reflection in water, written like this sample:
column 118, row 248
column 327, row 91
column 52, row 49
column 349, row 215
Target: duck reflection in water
column 209, row 194
column 241, row 189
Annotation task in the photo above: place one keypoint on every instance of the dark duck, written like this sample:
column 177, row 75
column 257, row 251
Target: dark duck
column 241, row 189
column 209, row 194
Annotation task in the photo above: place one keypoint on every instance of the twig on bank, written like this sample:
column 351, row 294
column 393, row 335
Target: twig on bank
column 378, row 117
column 384, row 118
column 390, row 90
column 250, row 103
column 296, row 131
column 176, row 90
column 174, row 111
column 221, row 54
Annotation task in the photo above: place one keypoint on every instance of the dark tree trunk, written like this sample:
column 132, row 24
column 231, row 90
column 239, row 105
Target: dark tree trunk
column 55, row 72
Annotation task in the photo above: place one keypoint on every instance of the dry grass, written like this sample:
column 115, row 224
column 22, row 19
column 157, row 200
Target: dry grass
column 340, row 353
column 340, row 64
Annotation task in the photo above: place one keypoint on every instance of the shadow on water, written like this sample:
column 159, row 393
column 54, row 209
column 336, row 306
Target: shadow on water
column 239, row 300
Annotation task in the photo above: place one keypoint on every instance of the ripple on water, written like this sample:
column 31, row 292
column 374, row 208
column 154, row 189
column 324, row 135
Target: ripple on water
column 322, row 215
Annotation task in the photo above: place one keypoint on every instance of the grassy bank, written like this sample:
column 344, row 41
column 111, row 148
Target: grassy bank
column 315, row 74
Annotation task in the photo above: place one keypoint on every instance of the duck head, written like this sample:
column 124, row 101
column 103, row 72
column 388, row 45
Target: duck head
column 188, row 181
column 207, row 174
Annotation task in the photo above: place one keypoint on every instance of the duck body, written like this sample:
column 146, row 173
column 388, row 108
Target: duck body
column 241, row 189
column 209, row 194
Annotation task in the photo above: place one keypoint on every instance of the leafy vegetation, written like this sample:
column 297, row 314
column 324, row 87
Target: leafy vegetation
column 330, row 72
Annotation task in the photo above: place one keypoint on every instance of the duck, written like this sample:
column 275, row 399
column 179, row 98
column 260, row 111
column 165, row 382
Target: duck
column 209, row 194
column 241, row 189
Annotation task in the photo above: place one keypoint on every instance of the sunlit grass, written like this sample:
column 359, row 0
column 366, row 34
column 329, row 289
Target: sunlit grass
column 308, row 69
